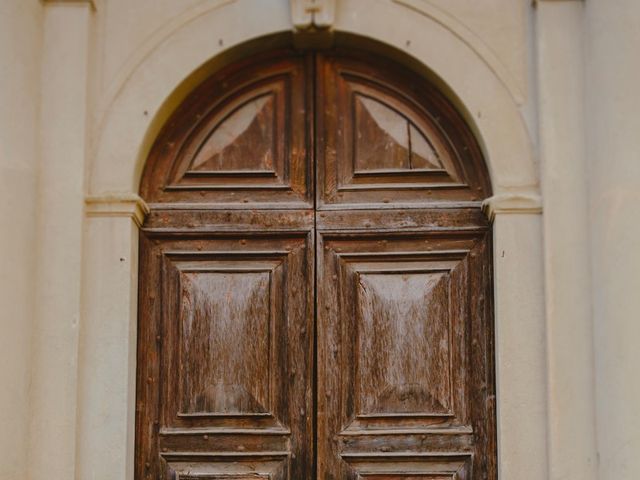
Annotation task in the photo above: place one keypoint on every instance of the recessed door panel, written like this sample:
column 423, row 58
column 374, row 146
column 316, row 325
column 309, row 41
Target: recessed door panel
column 396, row 341
column 242, row 139
column 408, row 467
column 389, row 139
column 230, row 315
column 233, row 321
column 402, row 342
column 228, row 467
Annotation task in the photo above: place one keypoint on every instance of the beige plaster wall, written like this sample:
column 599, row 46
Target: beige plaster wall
column 499, row 25
column 20, row 46
column 613, row 150
column 556, row 82
column 124, row 27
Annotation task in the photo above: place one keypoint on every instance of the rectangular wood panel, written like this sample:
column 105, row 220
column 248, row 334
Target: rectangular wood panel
column 226, row 356
column 402, row 341
column 225, row 386
column 402, row 318
column 411, row 467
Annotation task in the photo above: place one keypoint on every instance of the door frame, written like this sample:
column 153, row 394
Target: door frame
column 114, row 213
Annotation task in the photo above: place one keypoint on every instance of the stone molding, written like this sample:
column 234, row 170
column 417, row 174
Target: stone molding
column 92, row 3
column 513, row 203
column 117, row 205
column 536, row 2
column 471, row 39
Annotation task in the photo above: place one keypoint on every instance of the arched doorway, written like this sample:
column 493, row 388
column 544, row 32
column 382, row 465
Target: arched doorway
column 315, row 279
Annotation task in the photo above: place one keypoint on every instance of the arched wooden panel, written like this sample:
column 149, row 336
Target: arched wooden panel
column 391, row 138
column 246, row 135
column 242, row 137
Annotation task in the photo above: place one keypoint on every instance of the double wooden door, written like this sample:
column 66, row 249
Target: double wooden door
column 315, row 282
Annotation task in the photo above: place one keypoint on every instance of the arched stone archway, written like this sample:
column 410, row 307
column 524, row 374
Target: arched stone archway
column 178, row 59
column 160, row 75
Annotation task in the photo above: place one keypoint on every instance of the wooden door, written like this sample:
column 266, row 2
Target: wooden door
column 315, row 282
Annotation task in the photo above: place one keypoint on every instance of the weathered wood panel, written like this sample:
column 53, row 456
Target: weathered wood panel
column 401, row 316
column 226, row 355
column 389, row 137
column 242, row 138
column 402, row 343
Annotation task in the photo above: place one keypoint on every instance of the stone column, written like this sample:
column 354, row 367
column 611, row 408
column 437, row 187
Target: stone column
column 563, row 172
column 107, row 370
column 63, row 129
column 520, row 335
column 613, row 150
column 20, row 59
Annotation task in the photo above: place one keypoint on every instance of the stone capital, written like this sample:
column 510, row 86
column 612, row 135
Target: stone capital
column 519, row 202
column 536, row 2
column 92, row 3
column 117, row 205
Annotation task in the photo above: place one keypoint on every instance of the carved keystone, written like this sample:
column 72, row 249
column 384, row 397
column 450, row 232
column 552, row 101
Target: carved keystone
column 312, row 22
column 307, row 14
